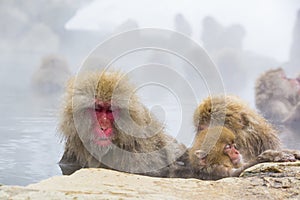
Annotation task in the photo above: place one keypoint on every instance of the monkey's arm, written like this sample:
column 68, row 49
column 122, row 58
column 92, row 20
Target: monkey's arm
column 278, row 156
column 285, row 155
column 69, row 164
column 295, row 153
column 220, row 171
column 236, row 172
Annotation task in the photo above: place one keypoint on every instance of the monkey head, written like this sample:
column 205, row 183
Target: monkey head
column 215, row 146
column 231, row 151
column 220, row 111
column 275, row 84
column 103, row 111
column 291, row 85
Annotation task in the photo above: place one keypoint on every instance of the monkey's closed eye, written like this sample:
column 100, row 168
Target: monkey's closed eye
column 227, row 146
column 99, row 108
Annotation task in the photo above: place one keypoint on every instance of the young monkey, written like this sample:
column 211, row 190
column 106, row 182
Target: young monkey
column 214, row 161
column 214, row 155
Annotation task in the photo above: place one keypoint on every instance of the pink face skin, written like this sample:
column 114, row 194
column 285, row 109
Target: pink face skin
column 233, row 153
column 104, row 117
column 298, row 84
column 295, row 83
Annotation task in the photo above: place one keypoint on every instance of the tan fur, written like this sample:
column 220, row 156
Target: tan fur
column 209, row 161
column 216, row 163
column 274, row 96
column 253, row 133
column 140, row 144
column 293, row 119
column 214, row 152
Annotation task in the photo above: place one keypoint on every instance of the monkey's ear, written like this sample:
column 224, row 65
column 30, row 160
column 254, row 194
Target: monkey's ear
column 202, row 156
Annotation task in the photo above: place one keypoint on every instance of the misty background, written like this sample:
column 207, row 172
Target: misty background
column 44, row 42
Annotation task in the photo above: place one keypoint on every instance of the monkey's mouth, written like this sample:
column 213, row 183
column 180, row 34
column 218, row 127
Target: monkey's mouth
column 103, row 137
column 237, row 161
column 103, row 141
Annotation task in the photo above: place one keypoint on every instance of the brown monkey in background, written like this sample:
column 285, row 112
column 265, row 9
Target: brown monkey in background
column 253, row 133
column 214, row 155
column 51, row 75
column 105, row 125
column 276, row 95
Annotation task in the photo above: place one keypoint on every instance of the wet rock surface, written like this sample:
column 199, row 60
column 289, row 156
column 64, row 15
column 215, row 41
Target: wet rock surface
column 263, row 181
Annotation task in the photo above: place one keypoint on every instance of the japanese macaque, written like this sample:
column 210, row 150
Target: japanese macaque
column 214, row 155
column 182, row 25
column 51, row 76
column 105, row 125
column 253, row 133
column 216, row 37
column 276, row 95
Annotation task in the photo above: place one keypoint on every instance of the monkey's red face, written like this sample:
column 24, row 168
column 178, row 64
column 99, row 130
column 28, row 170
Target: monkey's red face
column 104, row 118
column 233, row 153
column 294, row 83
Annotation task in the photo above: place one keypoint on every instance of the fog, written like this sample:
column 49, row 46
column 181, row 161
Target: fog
column 44, row 42
column 267, row 23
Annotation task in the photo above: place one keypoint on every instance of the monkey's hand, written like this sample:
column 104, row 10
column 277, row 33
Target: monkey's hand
column 296, row 153
column 276, row 156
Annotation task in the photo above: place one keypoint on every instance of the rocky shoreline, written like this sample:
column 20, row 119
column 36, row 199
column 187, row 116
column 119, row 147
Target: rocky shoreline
column 263, row 181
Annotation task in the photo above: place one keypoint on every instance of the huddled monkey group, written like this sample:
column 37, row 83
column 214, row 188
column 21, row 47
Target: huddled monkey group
column 104, row 124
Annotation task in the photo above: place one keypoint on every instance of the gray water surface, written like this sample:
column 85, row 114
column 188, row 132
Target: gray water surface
column 29, row 147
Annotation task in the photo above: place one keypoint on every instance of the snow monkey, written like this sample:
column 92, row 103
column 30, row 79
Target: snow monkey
column 276, row 95
column 214, row 155
column 105, row 125
column 51, row 75
column 217, row 160
column 253, row 133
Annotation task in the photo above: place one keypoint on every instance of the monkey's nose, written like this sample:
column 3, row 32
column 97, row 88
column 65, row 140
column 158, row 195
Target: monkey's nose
column 104, row 126
column 235, row 151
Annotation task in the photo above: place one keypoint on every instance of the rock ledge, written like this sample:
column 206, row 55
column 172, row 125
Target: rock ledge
column 263, row 181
